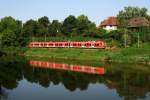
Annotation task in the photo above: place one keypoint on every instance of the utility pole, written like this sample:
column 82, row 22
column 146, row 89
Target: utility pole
column 0, row 40
column 45, row 37
column 125, row 39
column 138, row 40
column 31, row 37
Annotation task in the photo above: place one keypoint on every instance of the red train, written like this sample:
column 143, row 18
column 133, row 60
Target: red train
column 96, row 45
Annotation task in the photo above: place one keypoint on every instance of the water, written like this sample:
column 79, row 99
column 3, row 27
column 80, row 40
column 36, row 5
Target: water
column 45, row 79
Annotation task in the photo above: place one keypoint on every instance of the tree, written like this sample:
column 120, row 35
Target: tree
column 55, row 28
column 69, row 25
column 86, row 27
column 83, row 24
column 10, row 23
column 8, row 38
column 30, row 29
column 43, row 24
column 126, row 38
column 92, row 29
column 44, row 21
column 10, row 30
column 124, row 16
column 148, row 37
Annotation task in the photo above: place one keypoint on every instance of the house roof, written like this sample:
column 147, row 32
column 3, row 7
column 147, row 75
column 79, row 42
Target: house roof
column 109, row 21
column 138, row 22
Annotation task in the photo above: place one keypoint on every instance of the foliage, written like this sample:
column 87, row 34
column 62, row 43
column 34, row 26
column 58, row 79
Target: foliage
column 69, row 25
column 29, row 28
column 55, row 28
column 80, row 28
column 83, row 24
column 140, row 34
column 10, row 30
column 43, row 24
column 8, row 38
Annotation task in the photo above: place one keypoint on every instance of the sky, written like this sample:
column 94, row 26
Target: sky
column 96, row 10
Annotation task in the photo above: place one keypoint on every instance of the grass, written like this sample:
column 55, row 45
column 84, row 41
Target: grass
column 13, row 50
column 131, row 55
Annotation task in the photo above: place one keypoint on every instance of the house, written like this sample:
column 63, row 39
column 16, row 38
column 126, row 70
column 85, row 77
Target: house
column 135, row 24
column 138, row 22
column 109, row 24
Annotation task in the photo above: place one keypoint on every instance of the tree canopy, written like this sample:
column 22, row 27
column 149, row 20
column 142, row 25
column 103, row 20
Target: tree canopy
column 55, row 28
column 69, row 25
column 10, row 30
column 15, row 33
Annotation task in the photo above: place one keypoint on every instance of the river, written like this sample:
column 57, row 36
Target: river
column 48, row 79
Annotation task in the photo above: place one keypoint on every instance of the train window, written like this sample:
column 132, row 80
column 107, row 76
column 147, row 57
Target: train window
column 92, row 45
column 60, row 44
column 36, row 44
column 50, row 44
column 79, row 44
column 88, row 44
column 42, row 44
column 97, row 44
column 32, row 44
column 74, row 44
column 83, row 44
column 66, row 44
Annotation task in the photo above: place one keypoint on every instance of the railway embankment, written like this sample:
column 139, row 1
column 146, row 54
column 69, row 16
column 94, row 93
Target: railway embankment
column 121, row 55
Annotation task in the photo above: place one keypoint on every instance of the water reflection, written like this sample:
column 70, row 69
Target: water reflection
column 71, row 80
column 130, row 81
column 75, row 68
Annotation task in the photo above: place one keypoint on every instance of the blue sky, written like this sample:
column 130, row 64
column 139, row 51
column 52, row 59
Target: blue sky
column 96, row 10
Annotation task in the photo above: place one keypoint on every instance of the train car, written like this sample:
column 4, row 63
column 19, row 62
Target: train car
column 96, row 45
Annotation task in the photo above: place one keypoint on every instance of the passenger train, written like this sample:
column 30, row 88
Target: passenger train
column 94, row 44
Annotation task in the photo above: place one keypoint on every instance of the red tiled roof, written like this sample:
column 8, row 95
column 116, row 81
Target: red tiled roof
column 109, row 21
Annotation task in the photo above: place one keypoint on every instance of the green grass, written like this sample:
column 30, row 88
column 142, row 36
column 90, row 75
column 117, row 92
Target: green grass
column 131, row 55
column 62, row 53
column 14, row 50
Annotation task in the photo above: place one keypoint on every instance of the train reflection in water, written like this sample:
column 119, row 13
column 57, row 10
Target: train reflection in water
column 75, row 68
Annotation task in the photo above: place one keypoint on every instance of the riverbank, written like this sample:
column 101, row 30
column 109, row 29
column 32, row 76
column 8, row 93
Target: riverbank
column 123, row 55
column 12, row 51
column 118, row 55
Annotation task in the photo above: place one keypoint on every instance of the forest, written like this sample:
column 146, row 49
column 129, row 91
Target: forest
column 14, row 32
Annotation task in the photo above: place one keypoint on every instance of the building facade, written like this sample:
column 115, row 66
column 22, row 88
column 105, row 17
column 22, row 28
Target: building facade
column 109, row 24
